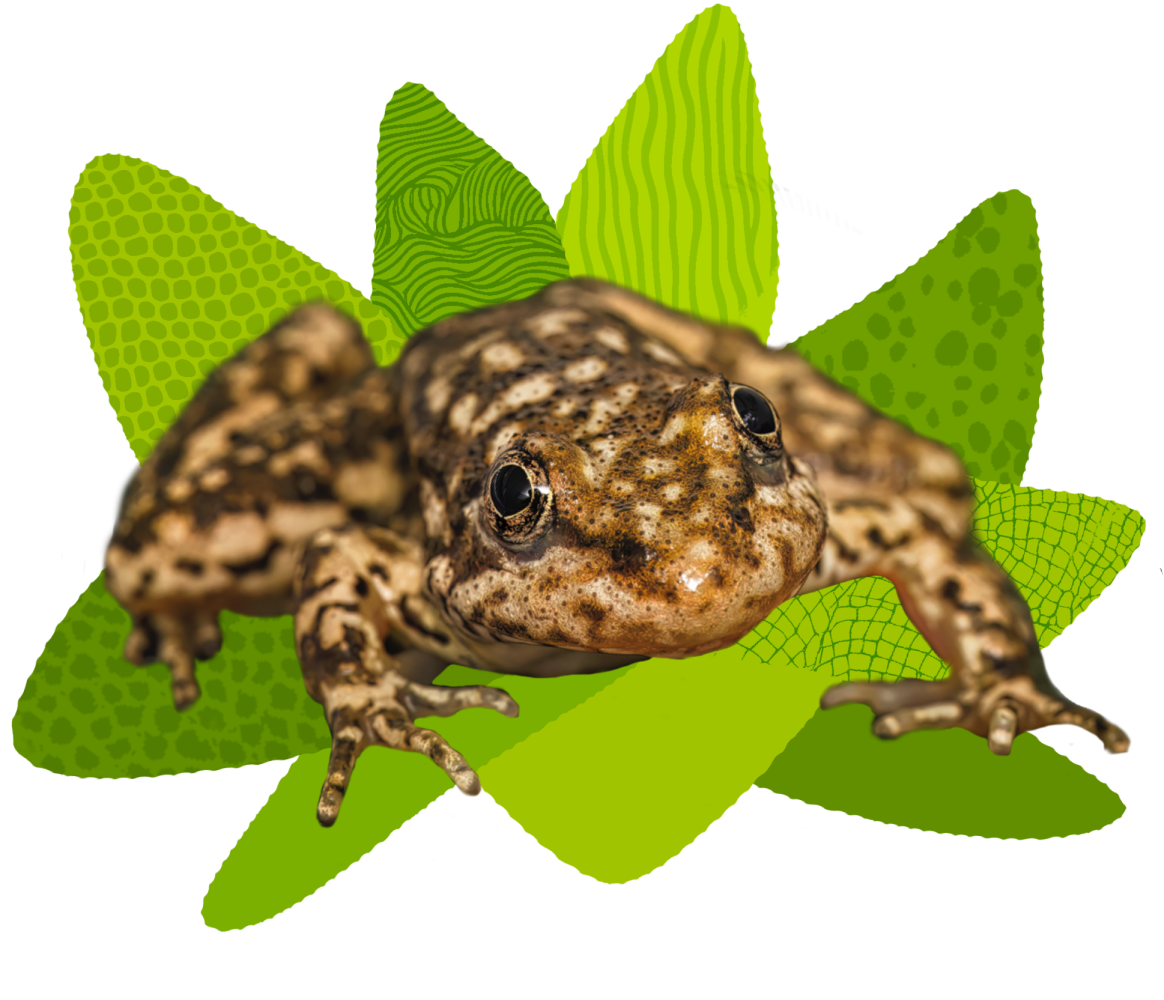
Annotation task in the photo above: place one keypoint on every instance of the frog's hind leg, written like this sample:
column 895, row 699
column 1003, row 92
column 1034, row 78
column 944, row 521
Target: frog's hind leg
column 359, row 594
column 306, row 357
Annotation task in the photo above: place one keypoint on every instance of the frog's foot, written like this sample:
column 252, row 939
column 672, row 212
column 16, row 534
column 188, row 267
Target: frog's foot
column 999, row 709
column 176, row 641
column 363, row 715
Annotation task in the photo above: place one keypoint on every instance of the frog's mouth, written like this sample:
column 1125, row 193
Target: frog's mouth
column 639, row 604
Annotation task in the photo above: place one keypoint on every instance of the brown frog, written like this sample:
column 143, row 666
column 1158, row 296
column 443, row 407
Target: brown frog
column 564, row 484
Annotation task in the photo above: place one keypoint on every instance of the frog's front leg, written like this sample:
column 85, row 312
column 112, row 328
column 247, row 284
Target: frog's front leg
column 359, row 593
column 971, row 614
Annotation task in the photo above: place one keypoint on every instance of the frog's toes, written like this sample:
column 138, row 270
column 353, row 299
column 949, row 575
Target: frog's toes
column 433, row 699
column 175, row 642
column 206, row 637
column 901, row 707
column 382, row 714
column 141, row 647
column 998, row 710
column 1048, row 706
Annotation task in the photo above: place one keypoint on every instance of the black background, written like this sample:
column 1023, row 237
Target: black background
column 877, row 157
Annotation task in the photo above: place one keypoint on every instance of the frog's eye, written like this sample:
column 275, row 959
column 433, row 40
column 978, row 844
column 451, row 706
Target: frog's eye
column 518, row 499
column 511, row 490
column 757, row 418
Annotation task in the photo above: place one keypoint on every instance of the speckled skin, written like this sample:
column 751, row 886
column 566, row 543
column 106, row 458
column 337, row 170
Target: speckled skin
column 656, row 520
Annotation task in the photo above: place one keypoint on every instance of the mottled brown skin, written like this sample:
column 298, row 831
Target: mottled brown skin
column 658, row 512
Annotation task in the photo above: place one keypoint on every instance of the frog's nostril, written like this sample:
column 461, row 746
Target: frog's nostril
column 742, row 519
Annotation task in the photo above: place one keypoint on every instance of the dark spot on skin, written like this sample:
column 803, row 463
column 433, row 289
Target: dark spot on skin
column 312, row 590
column 1002, row 666
column 207, row 508
column 310, row 563
column 168, row 459
column 308, row 487
column 377, row 570
column 932, row 526
column 393, row 646
column 150, row 650
column 325, row 608
column 510, row 629
column 876, row 538
column 192, row 566
column 361, row 586
column 359, row 514
column 132, row 542
column 353, row 640
column 590, row 608
column 846, row 554
column 257, row 565
column 952, row 592
column 628, row 556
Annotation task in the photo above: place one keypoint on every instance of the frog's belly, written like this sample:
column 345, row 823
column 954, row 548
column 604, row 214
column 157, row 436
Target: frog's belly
column 546, row 661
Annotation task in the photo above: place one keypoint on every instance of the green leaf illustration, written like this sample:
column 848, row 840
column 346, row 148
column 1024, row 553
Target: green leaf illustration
column 676, row 202
column 457, row 225
column 953, row 346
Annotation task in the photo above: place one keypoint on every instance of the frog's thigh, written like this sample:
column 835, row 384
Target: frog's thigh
column 308, row 355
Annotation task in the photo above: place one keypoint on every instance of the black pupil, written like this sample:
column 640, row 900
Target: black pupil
column 511, row 490
column 754, row 411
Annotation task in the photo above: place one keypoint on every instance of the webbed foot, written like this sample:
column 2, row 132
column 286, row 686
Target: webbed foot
column 992, row 706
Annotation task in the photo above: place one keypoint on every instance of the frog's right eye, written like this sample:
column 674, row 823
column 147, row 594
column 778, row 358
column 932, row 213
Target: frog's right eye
column 757, row 419
column 518, row 499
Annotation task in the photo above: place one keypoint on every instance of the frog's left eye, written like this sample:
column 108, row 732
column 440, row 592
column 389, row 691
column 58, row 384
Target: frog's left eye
column 518, row 499
column 757, row 418
column 511, row 490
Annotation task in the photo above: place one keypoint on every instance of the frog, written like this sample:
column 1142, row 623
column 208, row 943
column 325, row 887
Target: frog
column 568, row 483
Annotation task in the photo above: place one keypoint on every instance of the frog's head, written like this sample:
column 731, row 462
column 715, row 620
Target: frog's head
column 672, row 538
